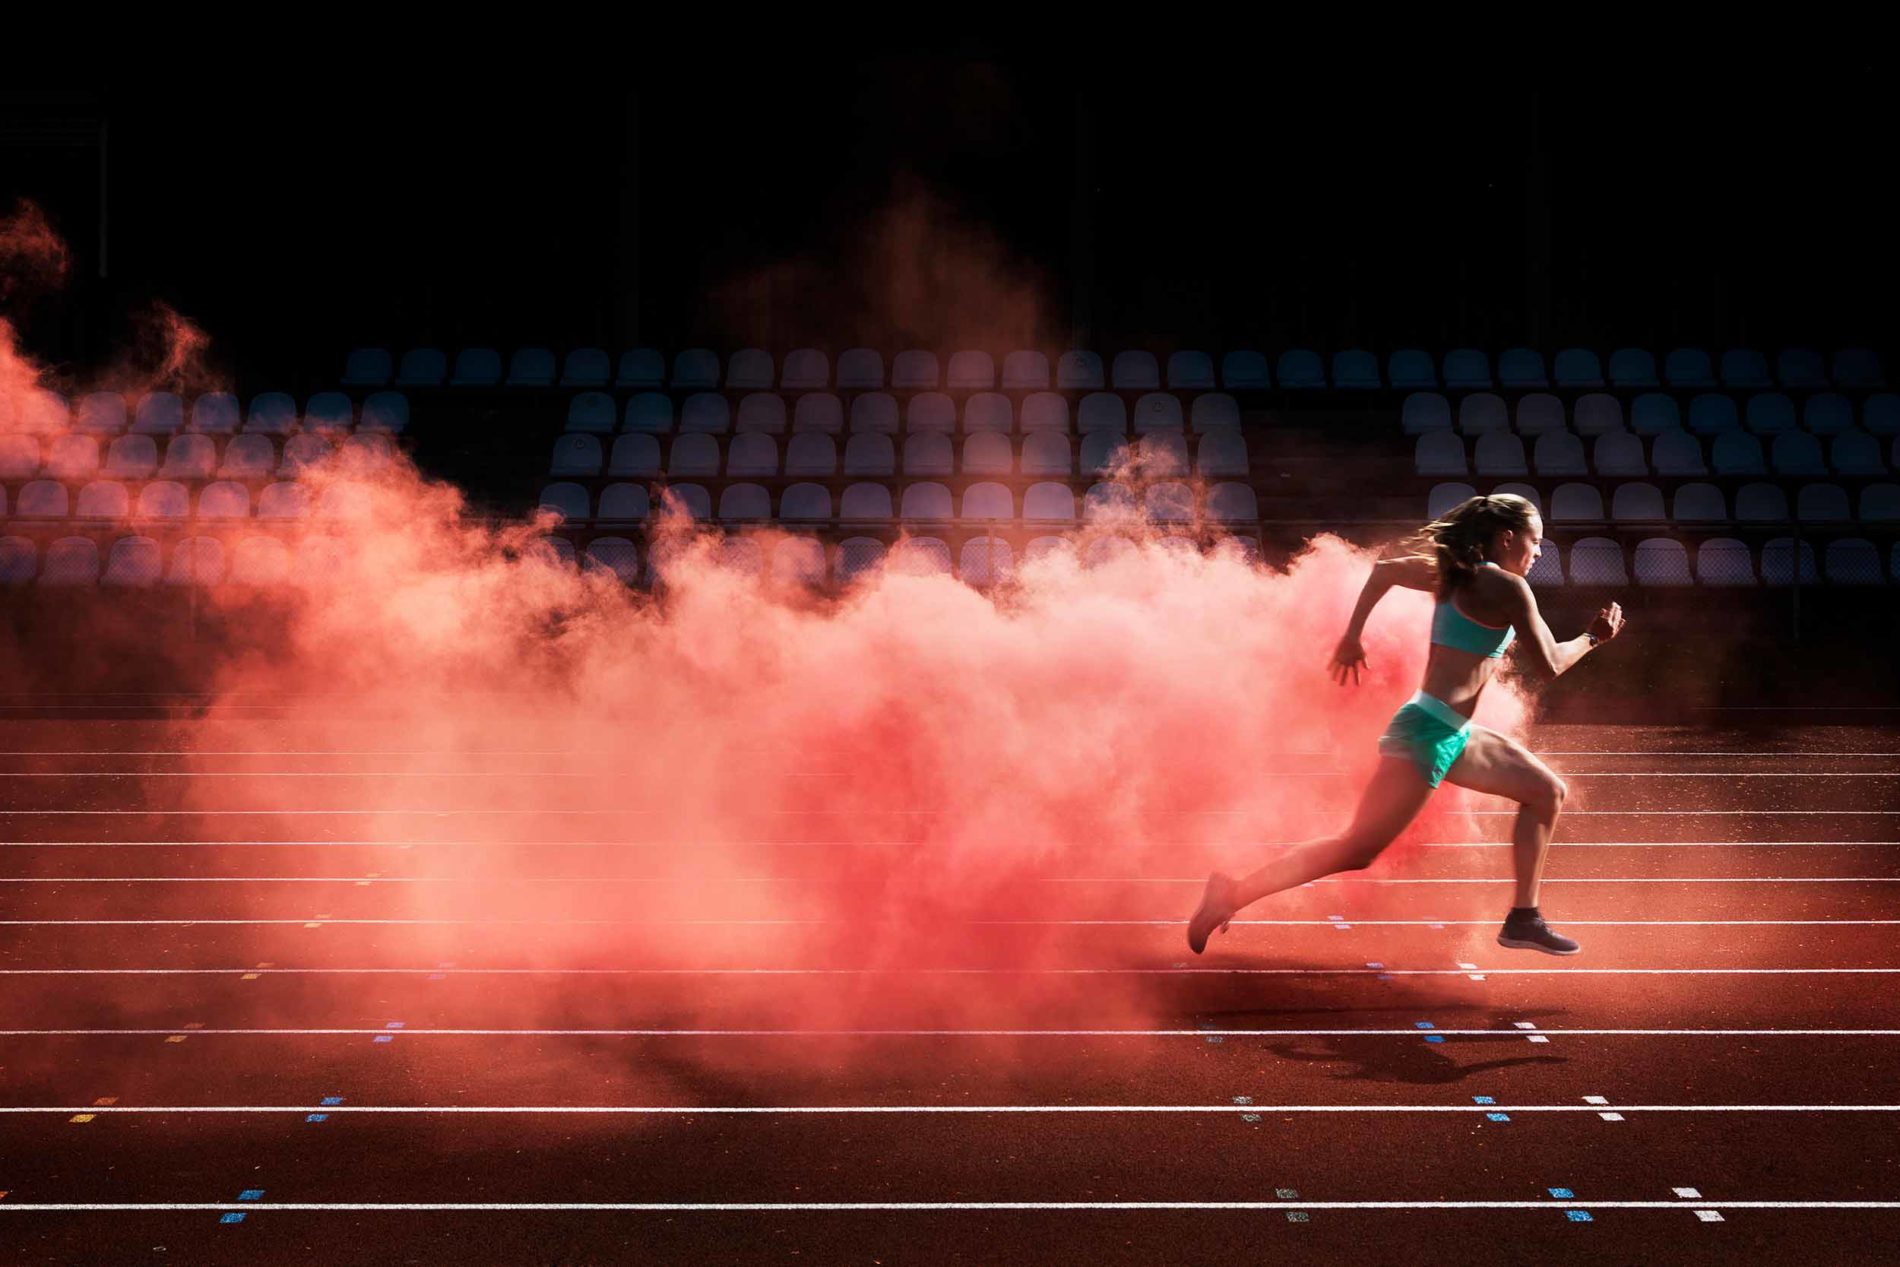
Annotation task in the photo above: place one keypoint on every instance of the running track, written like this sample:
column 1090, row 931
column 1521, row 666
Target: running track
column 299, row 1012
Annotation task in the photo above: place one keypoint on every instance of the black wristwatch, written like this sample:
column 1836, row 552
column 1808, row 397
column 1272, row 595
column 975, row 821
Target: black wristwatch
column 1594, row 640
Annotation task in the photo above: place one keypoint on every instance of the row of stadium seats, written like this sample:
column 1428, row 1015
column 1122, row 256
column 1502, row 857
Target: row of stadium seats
column 186, row 457
column 1672, row 453
column 212, row 413
column 1718, row 561
column 815, row 454
column 108, row 501
column 879, row 411
column 1651, row 413
column 1167, row 502
column 862, row 369
column 1692, row 503
column 139, row 562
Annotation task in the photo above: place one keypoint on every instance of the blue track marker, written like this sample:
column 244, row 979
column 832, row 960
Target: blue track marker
column 1562, row 1194
column 316, row 1117
column 331, row 1101
column 1579, row 1216
column 251, row 1194
column 384, row 1038
column 233, row 1217
column 1483, row 1099
column 1498, row 1117
column 1423, row 1025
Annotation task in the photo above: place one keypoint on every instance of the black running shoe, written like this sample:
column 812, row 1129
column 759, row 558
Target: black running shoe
column 1535, row 934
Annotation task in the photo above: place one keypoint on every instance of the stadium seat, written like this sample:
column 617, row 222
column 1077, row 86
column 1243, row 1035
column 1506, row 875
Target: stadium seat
column 1724, row 561
column 1854, row 561
column 1597, row 414
column 1699, row 503
column 915, row 370
column 1483, row 412
column 1221, row 451
column 751, row 454
column 1355, row 369
column 1578, row 367
column 372, row 451
column 1639, row 502
column 1597, row 561
column 928, row 453
column 1169, row 501
column 20, row 456
column 1761, row 503
column 1245, row 370
column 927, row 500
column 189, row 457
column 1191, row 371
column 1653, row 413
column 1155, row 411
column 1801, row 369
column 560, row 550
column 285, row 500
column 869, row 453
column 386, row 412
column 1688, row 367
column 329, row 412
column 806, row 370
column 642, row 368
column 586, row 367
column 1821, row 503
column 762, row 412
column 692, row 499
column 1797, row 453
column 224, row 499
column 1214, row 411
column 811, row 453
column 988, row 411
column 1770, row 413
column 805, row 502
column 1102, row 411
column 215, row 414
column 1049, row 503
column 1163, row 453
column 70, row 562
column 1106, row 501
column 1576, row 503
column 970, row 371
column 616, row 555
column 624, row 503
column 1300, row 369
column 1411, row 369
column 260, row 562
column 1045, row 411
column 1100, row 451
column 100, row 414
column 696, row 369
column 920, row 556
column 1856, row 453
column 531, row 367
column 1633, row 367
column 858, row 556
column 476, row 367
column 1880, row 503
column 1526, row 491
column 1496, row 453
column 1026, row 371
column 1827, row 414
column 422, row 367
column 818, row 411
column 367, row 367
column 103, row 500
column 705, row 413
column 1737, row 453
column 860, row 370
column 1711, row 414
column 1079, row 371
column 985, row 560
column 1521, row 368
column 931, row 411
column 19, row 561
column 1677, row 453
column 798, row 561
column 987, row 453
column 1619, row 454
column 576, row 454
column 874, row 411
column 745, row 502
column 693, row 455
column 271, row 414
column 1425, row 412
column 1662, row 561
column 988, row 501
column 1539, row 413
column 1232, row 503
column 1858, row 369
column 1445, row 496
column 161, row 414
column 635, row 454
column 196, row 561
column 1559, row 453
column 1135, row 371
column 128, row 457
column 751, row 370
column 1467, row 369
column 72, row 457
column 1779, row 563
column 569, row 500
column 592, row 412
column 1547, row 570
column 1746, row 368
column 1047, row 453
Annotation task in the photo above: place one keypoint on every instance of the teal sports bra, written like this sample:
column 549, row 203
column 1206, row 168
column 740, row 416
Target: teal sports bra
column 1452, row 628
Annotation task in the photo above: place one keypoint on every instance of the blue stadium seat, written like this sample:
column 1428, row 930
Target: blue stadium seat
column 102, row 500
column 705, row 413
column 1737, row 453
column 20, row 456
column 576, row 454
column 920, row 556
column 1300, row 369
column 1711, row 413
column 1169, row 501
column 1856, row 453
column 1157, row 411
column 1443, row 497
column 745, row 502
column 751, row 370
column 1245, row 370
column 1049, row 503
column 1483, row 412
column 860, row 369
column 189, row 457
column 988, row 411
column 1467, row 369
column 1827, row 414
column 988, row 453
column 1106, row 501
column 1135, row 371
column 72, row 458
column 70, row 562
column 569, row 500
column 248, row 457
column 1578, row 367
column 302, row 452
column 1854, row 561
column 1596, row 414
column 874, row 411
column 1080, row 371
column 692, row 499
column 1619, row 454
column 650, row 412
column 1222, row 451
column 970, row 371
column 614, row 555
column 624, row 503
column 1801, row 369
column 586, row 367
column 1633, row 367
column 1699, row 503
column 224, row 499
column 751, row 454
column 1677, row 453
column 160, row 414
column 386, row 412
column 592, row 411
column 129, row 457
column 1047, row 453
column 1880, row 503
column 1423, row 412
column 1637, row 501
column 806, row 370
column 1163, row 453
column 1214, row 411
column 1100, row 451
column 693, row 455
column 811, row 453
column 271, row 414
column 1597, row 561
column 1770, row 413
column 1821, row 503
column 1411, row 368
column 799, row 561
column 914, row 370
column 1576, row 503
column 215, row 414
column 1746, row 368
column 422, row 367
column 1797, row 453
column 1662, row 561
column 1232, row 503
column 531, row 367
column 931, row 411
column 1045, row 411
column 869, row 453
column 1779, row 563
column 1538, row 413
column 818, row 411
column 196, row 561
column 1761, row 503
column 858, row 556
column 1498, row 453
column 100, row 413
column 1439, row 453
column 985, row 560
column 1653, row 413
column 1858, row 369
column 762, row 411
column 1688, row 367
column 1880, row 414
column 329, row 411
column 988, row 501
column 804, row 502
column 696, row 368
column 928, row 453
column 1724, row 561
column 41, row 499
column 643, row 368
column 1102, row 411
column 285, row 500
column 367, row 367
column 1191, row 371
column 926, row 500
column 1025, row 371
column 1559, row 453
column 1356, row 369
column 476, row 367
column 1522, row 368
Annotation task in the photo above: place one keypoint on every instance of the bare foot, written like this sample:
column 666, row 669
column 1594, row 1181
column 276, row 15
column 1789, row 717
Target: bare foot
column 1216, row 908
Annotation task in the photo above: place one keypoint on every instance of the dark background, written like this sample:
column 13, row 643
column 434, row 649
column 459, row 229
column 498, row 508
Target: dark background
column 1267, row 199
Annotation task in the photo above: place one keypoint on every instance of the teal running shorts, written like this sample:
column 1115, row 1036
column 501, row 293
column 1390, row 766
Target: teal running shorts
column 1430, row 733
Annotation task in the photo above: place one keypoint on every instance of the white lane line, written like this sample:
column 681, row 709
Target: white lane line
column 460, row 754
column 839, row 774
column 978, row 923
column 906, row 1207
column 449, row 811
column 888, row 844
column 835, row 1110
column 820, row 879
column 933, row 972
column 1410, row 1032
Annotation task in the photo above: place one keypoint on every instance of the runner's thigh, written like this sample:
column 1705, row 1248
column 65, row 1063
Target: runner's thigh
column 1500, row 766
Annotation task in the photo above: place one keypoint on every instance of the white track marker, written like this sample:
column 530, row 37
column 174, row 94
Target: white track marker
column 894, row 1207
column 904, row 1110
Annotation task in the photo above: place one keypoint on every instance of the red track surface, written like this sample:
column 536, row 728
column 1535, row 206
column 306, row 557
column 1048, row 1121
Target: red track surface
column 1737, row 893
